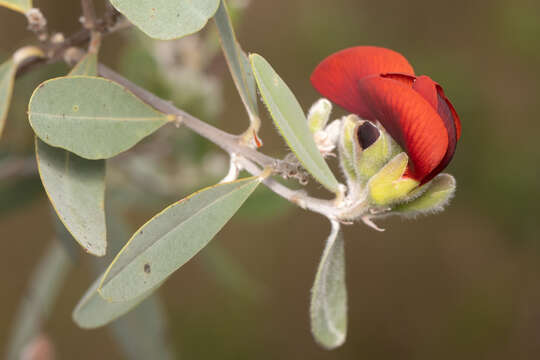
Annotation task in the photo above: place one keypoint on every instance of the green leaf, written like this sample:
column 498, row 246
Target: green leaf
column 291, row 121
column 7, row 78
column 329, row 294
column 88, row 65
column 21, row 6
column 238, row 63
column 92, row 117
column 93, row 311
column 76, row 186
column 76, row 189
column 167, row 19
column 45, row 284
column 172, row 238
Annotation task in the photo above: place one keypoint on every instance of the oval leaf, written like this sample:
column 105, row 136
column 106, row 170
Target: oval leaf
column 329, row 294
column 291, row 121
column 76, row 186
column 7, row 78
column 21, row 6
column 172, row 238
column 238, row 63
column 92, row 117
column 167, row 19
column 76, row 189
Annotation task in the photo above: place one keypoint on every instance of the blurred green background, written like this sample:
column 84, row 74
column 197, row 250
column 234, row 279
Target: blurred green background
column 462, row 284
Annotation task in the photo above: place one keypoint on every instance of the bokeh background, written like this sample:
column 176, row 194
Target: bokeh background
column 462, row 284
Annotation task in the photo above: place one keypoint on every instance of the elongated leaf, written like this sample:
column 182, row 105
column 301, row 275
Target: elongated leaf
column 167, row 19
column 238, row 63
column 18, row 5
column 92, row 117
column 329, row 294
column 7, row 78
column 291, row 121
column 76, row 189
column 43, row 289
column 76, row 186
column 172, row 238
column 93, row 311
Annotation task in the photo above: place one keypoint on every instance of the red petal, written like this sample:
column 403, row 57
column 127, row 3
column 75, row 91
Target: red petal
column 337, row 76
column 434, row 94
column 410, row 119
column 426, row 87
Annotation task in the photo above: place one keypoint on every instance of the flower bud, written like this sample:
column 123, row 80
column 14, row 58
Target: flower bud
column 318, row 115
column 388, row 186
column 430, row 197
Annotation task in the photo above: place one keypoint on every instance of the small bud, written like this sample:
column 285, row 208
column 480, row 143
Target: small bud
column 388, row 186
column 318, row 115
column 429, row 198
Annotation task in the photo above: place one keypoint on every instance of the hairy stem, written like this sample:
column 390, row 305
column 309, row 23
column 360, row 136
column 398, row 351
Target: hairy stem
column 249, row 158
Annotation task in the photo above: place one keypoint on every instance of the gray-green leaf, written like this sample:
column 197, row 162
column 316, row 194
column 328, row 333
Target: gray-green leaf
column 93, row 311
column 7, row 78
column 18, row 5
column 329, row 294
column 238, row 63
column 291, row 121
column 172, row 238
column 167, row 19
column 92, row 117
column 76, row 189
column 76, row 186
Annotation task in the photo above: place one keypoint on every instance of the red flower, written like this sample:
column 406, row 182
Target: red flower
column 379, row 84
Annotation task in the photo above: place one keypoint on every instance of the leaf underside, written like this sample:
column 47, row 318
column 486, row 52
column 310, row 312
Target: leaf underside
column 238, row 62
column 76, row 186
column 291, row 121
column 167, row 19
column 329, row 294
column 172, row 238
column 92, row 117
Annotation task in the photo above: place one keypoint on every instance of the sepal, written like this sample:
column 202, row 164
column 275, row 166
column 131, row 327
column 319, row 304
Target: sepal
column 389, row 186
column 429, row 198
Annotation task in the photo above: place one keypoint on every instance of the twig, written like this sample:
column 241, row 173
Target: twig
column 246, row 156
column 89, row 14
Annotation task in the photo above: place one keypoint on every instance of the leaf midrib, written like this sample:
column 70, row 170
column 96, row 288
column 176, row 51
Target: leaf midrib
column 187, row 220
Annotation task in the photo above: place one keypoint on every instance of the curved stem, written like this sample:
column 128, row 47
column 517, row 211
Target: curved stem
column 247, row 157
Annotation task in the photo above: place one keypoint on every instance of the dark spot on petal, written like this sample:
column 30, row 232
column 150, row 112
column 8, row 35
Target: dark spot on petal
column 367, row 134
column 147, row 268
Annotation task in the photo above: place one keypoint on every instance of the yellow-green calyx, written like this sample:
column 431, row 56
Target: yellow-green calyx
column 388, row 186
column 374, row 165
